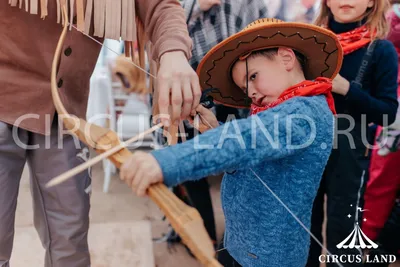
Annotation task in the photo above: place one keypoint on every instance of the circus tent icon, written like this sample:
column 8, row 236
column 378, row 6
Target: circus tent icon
column 357, row 239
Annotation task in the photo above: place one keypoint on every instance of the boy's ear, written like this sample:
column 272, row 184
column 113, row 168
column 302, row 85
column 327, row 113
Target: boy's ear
column 288, row 57
column 371, row 3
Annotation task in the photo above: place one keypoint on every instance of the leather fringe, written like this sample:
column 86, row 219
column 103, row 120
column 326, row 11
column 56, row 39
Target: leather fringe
column 113, row 19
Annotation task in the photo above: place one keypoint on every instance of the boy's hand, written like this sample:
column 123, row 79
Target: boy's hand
column 206, row 116
column 340, row 85
column 140, row 171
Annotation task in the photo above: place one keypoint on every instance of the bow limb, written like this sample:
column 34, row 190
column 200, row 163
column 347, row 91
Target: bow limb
column 184, row 219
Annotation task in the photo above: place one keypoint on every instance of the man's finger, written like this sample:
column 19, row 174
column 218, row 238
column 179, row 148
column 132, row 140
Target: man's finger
column 163, row 99
column 176, row 101
column 187, row 99
column 196, row 91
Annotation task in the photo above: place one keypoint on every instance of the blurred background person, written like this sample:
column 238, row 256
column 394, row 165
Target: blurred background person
column 293, row 10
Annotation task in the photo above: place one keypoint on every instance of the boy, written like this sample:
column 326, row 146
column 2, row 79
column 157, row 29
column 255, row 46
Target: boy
column 210, row 22
column 283, row 147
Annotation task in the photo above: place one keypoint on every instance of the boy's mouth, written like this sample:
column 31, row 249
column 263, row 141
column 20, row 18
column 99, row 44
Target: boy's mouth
column 261, row 101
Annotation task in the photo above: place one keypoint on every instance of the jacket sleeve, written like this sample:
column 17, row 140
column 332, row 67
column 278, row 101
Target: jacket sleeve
column 165, row 24
column 382, row 100
column 237, row 144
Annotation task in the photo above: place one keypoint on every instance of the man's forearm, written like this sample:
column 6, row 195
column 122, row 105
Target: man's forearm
column 165, row 24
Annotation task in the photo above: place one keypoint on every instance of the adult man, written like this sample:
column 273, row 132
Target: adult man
column 27, row 115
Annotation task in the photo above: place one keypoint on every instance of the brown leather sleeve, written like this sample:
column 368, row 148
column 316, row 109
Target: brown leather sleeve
column 165, row 25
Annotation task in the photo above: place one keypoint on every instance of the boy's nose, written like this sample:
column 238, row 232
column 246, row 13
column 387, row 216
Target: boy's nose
column 252, row 93
column 254, row 98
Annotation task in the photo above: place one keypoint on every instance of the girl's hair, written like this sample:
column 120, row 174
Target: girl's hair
column 375, row 17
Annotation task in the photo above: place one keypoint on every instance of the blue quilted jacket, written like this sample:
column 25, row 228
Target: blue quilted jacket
column 277, row 156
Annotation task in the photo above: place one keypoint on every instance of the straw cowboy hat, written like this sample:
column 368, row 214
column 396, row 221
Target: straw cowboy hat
column 320, row 47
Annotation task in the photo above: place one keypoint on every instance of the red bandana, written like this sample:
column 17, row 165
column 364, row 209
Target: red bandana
column 320, row 86
column 354, row 40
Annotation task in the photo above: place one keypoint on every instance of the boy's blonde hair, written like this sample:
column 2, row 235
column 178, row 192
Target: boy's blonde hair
column 375, row 16
column 270, row 53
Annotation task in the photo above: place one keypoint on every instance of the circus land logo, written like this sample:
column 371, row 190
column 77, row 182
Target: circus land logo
column 358, row 242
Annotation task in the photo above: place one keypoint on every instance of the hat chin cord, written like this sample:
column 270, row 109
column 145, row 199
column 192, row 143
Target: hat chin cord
column 247, row 100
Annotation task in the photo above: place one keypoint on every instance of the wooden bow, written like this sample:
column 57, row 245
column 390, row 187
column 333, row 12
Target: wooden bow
column 186, row 220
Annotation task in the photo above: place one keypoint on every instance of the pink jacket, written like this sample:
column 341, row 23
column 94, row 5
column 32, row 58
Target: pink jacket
column 394, row 18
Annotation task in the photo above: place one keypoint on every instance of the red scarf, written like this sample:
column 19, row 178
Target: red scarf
column 354, row 40
column 320, row 86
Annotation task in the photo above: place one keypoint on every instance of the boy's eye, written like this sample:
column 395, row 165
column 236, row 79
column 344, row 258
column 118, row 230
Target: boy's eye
column 253, row 77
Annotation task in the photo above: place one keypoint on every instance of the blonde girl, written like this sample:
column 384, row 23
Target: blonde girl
column 365, row 93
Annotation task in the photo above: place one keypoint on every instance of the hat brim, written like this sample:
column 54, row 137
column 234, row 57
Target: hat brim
column 320, row 47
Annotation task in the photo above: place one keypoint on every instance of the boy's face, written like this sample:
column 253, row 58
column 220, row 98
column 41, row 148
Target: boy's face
column 267, row 79
column 346, row 11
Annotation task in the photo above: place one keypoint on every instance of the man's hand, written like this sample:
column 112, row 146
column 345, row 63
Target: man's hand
column 205, row 5
column 340, row 85
column 141, row 171
column 178, row 87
